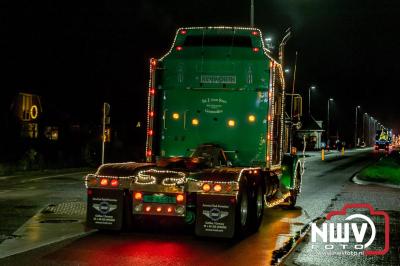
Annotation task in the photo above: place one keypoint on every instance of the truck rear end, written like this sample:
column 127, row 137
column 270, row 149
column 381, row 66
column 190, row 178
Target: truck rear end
column 214, row 145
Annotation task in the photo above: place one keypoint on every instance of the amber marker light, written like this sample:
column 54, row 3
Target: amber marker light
column 217, row 187
column 179, row 198
column 138, row 196
column 175, row 116
column 104, row 182
column 148, row 208
column 206, row 187
column 231, row 123
column 252, row 118
column 195, row 121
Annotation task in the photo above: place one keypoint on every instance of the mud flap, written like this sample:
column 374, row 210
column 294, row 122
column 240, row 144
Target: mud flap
column 215, row 216
column 105, row 209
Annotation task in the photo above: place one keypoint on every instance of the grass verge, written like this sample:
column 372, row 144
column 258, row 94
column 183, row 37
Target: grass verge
column 386, row 170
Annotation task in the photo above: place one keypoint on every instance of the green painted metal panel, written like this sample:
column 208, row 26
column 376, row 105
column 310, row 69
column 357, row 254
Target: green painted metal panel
column 214, row 84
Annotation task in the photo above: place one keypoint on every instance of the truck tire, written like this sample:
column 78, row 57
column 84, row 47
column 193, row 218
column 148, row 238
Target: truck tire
column 256, row 208
column 242, row 214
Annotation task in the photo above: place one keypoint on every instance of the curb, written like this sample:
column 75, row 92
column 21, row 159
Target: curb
column 359, row 181
column 279, row 259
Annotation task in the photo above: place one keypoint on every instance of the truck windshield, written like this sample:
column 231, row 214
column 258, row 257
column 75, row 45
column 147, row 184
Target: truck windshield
column 218, row 40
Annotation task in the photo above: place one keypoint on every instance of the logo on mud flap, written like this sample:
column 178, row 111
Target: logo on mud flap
column 215, row 214
column 104, row 207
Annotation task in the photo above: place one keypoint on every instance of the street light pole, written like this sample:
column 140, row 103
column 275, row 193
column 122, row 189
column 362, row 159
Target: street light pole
column 252, row 14
column 363, row 136
column 309, row 98
column 328, row 125
column 355, row 131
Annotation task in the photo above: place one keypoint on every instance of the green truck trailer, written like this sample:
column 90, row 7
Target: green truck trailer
column 215, row 140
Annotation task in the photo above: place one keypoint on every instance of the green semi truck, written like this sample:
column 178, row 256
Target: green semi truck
column 215, row 140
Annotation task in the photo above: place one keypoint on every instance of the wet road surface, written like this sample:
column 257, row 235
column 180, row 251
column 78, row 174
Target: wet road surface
column 159, row 245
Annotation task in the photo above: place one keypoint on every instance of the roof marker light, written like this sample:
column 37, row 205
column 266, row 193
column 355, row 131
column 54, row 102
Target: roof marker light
column 256, row 49
column 179, row 48
column 231, row 123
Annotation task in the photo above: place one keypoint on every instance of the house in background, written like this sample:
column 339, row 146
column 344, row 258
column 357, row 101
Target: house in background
column 312, row 130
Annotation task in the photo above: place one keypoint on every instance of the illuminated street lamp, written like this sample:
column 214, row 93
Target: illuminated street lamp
column 309, row 98
column 327, row 129
column 355, row 131
column 365, row 114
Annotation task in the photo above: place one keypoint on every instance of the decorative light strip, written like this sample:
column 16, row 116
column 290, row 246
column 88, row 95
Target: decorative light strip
column 246, row 169
column 271, row 204
column 145, row 175
column 271, row 113
column 150, row 110
column 201, row 182
column 169, row 181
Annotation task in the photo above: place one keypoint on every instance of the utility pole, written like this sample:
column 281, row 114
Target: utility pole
column 106, row 118
column 328, row 124
column 252, row 14
column 355, row 131
column 309, row 98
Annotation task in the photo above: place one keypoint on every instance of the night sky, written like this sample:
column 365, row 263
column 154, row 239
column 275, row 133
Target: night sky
column 77, row 56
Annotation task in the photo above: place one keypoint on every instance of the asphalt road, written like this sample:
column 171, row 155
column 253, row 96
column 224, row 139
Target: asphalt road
column 163, row 245
column 21, row 196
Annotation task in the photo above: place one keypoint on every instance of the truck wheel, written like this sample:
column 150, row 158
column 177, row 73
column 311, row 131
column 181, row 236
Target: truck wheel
column 257, row 209
column 242, row 212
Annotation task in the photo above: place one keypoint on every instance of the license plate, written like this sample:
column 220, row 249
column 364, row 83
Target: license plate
column 158, row 199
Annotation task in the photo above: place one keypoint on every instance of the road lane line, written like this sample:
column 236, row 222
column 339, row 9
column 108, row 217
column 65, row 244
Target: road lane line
column 52, row 176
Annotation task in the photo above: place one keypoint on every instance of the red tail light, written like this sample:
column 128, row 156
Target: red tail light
column 114, row 182
column 151, row 132
column 153, row 63
column 179, row 48
column 104, row 182
column 254, row 33
column 148, row 153
column 183, row 32
column 151, row 114
column 256, row 49
column 152, row 91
